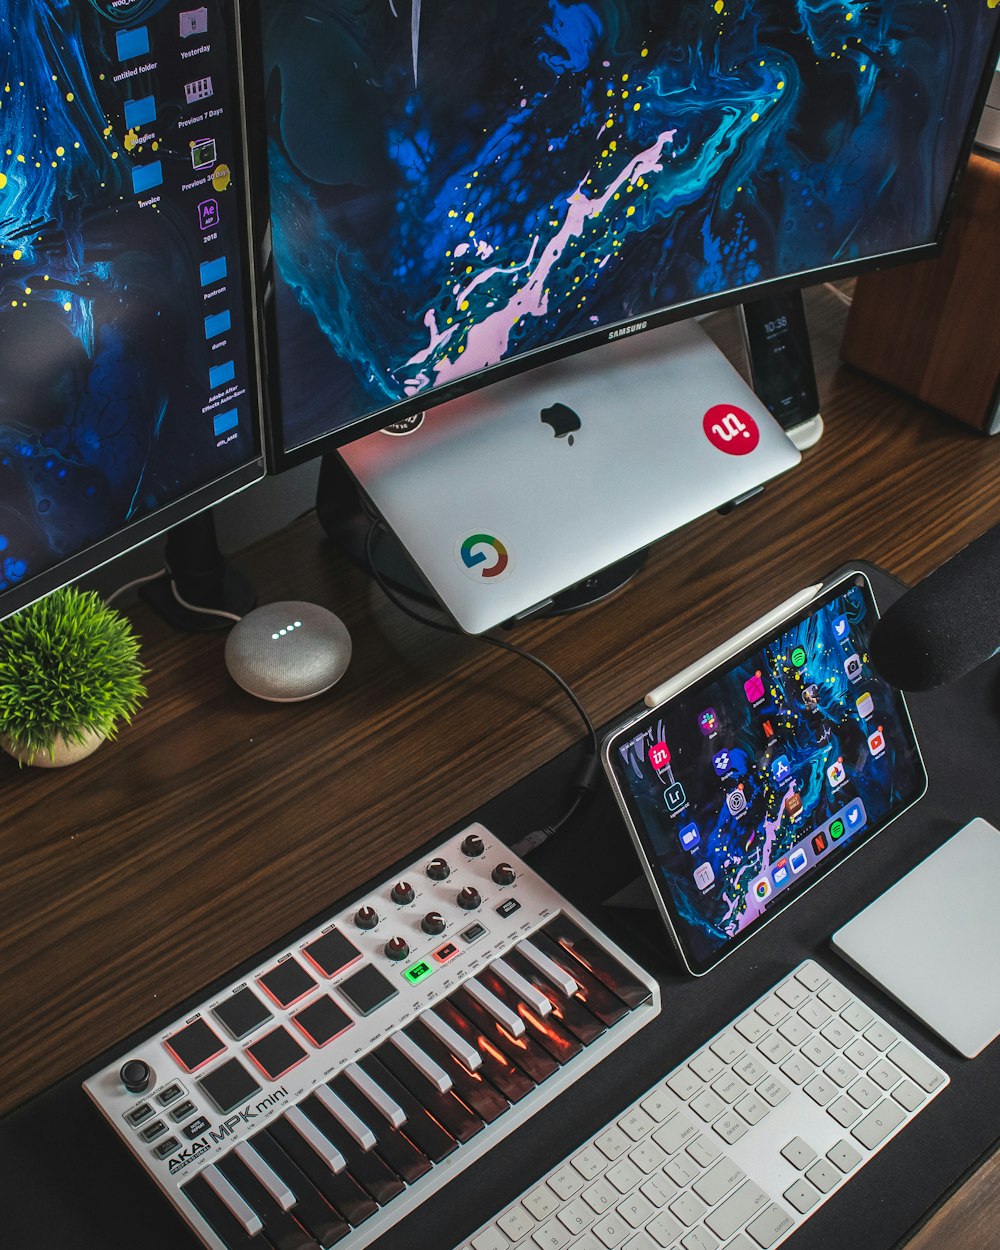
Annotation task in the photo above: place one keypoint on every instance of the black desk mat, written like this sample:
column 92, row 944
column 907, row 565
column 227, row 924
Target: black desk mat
column 66, row 1181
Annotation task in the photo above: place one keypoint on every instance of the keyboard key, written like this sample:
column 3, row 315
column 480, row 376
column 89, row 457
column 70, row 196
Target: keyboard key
column 516, row 1223
column 636, row 1125
column 490, row 1239
column 685, row 1084
column 815, row 1013
column 688, row 1208
column 865, row 1092
column 798, row 1153
column 589, row 1163
column 823, row 1176
column 623, row 1175
column 753, row 1108
column 857, row 1016
column 818, row 1051
column 861, row 1052
column 916, row 1067
column 707, row 1065
column 841, row 1071
column 734, row 1212
column 844, row 1156
column 772, row 1010
column 792, row 993
column 549, row 969
column 612, row 1143
column 773, row 1090
column 700, row 1239
column 664, row 1229
column 635, row 1210
column 880, row 1035
column 749, row 1069
column 707, row 1105
column 794, row 1030
column 682, row 1170
column 771, row 1224
column 885, row 1074
column 775, row 1048
column 541, row 1202
column 844, row 1110
column 566, row 1182
column 752, row 1027
column 647, row 1156
column 797, row 1069
column 801, row 1195
column 835, row 996
column 703, row 1150
column 600, row 1197
column 576, row 1217
column 838, row 1032
column 659, row 1104
column 730, row 1127
column 718, row 1181
column 812, row 976
column 658, row 1189
column 729, row 1087
column 908, row 1096
column 730, row 1046
column 672, row 1135
column 878, row 1124
column 551, row 1236
column 820, row 1090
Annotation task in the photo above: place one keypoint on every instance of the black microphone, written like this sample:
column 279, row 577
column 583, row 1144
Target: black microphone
column 947, row 624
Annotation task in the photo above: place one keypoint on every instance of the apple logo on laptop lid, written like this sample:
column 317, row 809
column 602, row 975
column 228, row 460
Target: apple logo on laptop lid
column 563, row 421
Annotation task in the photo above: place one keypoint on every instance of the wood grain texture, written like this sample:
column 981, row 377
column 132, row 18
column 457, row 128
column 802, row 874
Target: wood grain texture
column 217, row 823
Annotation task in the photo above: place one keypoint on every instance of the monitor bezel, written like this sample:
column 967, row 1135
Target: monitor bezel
column 278, row 457
column 153, row 524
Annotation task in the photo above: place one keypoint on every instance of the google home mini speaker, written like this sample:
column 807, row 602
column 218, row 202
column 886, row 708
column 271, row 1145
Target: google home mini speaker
column 288, row 651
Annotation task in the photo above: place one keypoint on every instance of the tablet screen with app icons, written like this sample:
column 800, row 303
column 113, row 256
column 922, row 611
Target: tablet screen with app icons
column 757, row 779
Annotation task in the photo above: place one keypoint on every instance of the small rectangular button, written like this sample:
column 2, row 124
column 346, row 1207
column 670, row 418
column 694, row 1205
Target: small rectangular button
column 172, row 1092
column 165, row 1148
column 196, row 1128
column 183, row 1110
column 152, row 1131
column 139, row 1115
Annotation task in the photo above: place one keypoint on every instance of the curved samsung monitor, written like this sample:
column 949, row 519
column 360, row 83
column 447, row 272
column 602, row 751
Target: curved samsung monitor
column 128, row 376
column 459, row 191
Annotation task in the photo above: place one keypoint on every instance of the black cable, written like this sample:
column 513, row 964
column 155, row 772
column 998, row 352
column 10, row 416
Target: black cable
column 587, row 778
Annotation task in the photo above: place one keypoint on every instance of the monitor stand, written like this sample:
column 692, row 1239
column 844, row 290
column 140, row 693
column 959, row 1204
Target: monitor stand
column 347, row 519
column 203, row 577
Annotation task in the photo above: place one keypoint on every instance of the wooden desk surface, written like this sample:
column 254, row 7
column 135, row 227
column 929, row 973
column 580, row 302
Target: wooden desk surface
column 217, row 823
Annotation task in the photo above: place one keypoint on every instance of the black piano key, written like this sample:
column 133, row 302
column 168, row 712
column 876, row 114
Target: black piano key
column 394, row 1146
column 510, row 1080
column 597, row 960
column 596, row 996
column 472, row 1087
column 570, row 1012
column 311, row 1208
column 537, row 1063
column 421, row 1128
column 546, row 1031
column 220, row 1219
column 340, row 1190
column 367, row 1167
column 282, row 1229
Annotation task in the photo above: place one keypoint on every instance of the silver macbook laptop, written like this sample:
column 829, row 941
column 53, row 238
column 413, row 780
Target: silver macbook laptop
column 509, row 495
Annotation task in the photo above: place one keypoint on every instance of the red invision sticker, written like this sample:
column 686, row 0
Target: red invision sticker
column 731, row 429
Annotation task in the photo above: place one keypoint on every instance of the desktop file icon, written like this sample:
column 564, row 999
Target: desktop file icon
column 194, row 22
column 132, row 43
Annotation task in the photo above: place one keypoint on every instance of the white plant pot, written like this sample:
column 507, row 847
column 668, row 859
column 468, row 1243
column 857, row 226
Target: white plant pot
column 62, row 753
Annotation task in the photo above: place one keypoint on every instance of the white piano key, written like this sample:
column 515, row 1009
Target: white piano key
column 315, row 1139
column 523, row 988
column 267, row 1176
column 498, row 1010
column 376, row 1095
column 455, row 1042
column 549, row 969
column 344, row 1116
column 422, row 1062
column 233, row 1200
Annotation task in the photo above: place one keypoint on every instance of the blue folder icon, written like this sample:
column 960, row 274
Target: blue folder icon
column 226, row 421
column 140, row 112
column 217, row 324
column 213, row 271
column 146, row 177
column 219, row 375
column 132, row 43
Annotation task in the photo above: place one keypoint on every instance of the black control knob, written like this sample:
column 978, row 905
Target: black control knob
column 396, row 948
column 438, row 869
column 504, row 874
column 433, row 923
column 366, row 917
column 136, row 1075
column 401, row 892
column 469, row 898
column 473, row 845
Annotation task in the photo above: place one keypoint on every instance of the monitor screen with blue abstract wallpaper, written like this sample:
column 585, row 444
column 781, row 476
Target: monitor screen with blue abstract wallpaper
column 758, row 779
column 128, row 385
column 458, row 185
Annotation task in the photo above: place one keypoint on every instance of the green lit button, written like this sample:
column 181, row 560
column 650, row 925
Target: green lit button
column 419, row 972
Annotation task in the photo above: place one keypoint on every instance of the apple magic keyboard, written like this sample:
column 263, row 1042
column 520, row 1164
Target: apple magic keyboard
column 739, row 1144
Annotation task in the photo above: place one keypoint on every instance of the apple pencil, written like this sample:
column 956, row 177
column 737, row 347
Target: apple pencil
column 762, row 626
